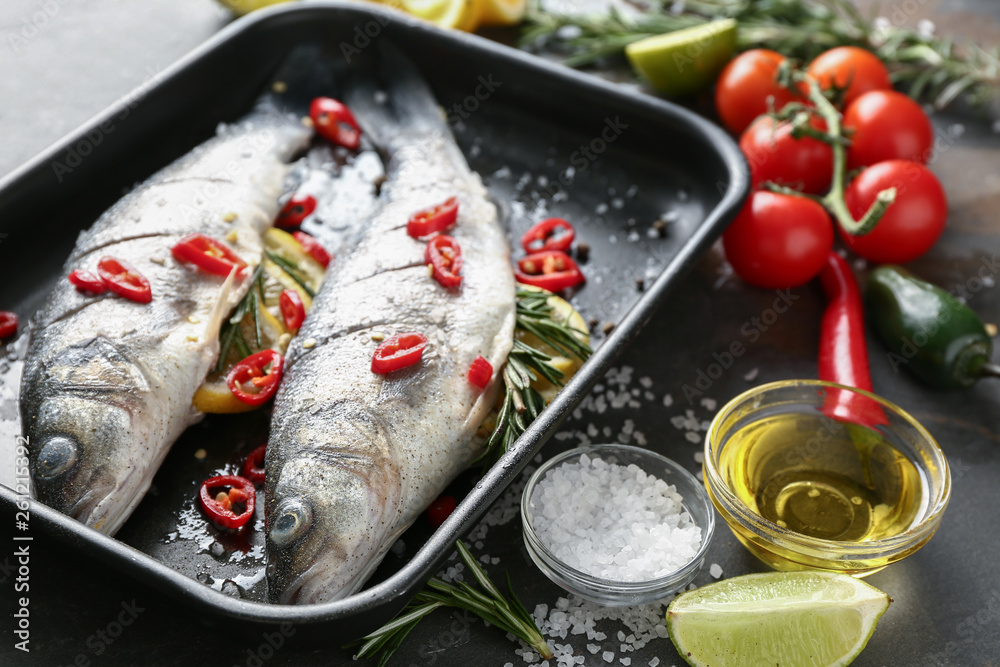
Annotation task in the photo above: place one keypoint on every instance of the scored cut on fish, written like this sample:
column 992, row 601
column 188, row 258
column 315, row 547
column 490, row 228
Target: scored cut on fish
column 108, row 382
column 354, row 457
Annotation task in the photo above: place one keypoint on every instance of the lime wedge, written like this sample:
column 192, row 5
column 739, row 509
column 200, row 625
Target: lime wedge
column 684, row 61
column 778, row 618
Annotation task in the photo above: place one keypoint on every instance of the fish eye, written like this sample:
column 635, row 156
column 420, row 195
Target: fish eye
column 291, row 521
column 57, row 456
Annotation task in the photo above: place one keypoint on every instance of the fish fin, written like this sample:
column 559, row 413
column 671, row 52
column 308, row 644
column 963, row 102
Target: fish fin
column 391, row 99
column 222, row 307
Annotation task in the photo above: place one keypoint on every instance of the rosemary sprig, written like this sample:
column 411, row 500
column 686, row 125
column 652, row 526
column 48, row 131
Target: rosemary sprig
column 525, row 364
column 292, row 270
column 484, row 600
column 232, row 332
column 928, row 67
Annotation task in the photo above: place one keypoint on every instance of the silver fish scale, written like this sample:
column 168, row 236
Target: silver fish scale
column 361, row 486
column 108, row 382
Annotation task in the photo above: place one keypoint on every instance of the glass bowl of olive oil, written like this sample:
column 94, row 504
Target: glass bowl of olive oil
column 815, row 475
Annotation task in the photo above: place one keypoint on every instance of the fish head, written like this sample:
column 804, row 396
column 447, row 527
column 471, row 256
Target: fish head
column 80, row 426
column 329, row 511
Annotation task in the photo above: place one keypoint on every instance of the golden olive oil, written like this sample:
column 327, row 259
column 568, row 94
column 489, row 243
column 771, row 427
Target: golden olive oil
column 823, row 478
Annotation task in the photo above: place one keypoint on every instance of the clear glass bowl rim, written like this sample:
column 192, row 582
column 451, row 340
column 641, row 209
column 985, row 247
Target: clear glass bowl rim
column 609, row 586
column 731, row 505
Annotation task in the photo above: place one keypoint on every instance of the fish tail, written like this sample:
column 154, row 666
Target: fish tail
column 391, row 99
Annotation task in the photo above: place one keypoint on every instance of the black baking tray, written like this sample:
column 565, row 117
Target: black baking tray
column 530, row 122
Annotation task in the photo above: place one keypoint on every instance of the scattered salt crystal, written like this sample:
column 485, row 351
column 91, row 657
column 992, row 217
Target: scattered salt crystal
column 752, row 375
column 626, row 661
column 692, row 436
column 715, row 570
column 646, row 382
column 593, row 648
column 699, row 457
column 608, row 656
column 621, row 636
column 708, row 403
column 640, row 438
column 654, row 662
column 668, row 400
column 508, row 664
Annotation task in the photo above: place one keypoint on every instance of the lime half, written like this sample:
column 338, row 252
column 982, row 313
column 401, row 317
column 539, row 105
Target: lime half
column 777, row 618
column 684, row 61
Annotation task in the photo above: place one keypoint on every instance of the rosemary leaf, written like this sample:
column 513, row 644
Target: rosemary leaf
column 487, row 603
column 292, row 271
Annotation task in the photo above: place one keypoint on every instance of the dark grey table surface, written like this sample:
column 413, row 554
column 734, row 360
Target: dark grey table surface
column 61, row 61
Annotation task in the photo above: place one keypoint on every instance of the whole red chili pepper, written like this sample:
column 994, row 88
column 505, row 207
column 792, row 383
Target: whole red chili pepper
column 843, row 352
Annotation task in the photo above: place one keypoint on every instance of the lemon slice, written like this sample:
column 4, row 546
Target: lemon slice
column 684, row 61
column 502, row 12
column 561, row 309
column 459, row 14
column 244, row 7
column 792, row 619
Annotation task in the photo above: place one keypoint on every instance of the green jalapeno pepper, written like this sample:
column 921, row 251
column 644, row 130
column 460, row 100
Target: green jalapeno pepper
column 928, row 331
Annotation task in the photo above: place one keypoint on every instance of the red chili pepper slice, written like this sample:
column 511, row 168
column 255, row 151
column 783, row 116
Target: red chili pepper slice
column 433, row 219
column 292, row 309
column 122, row 279
column 335, row 122
column 843, row 351
column 445, row 257
column 553, row 270
column 253, row 469
column 209, row 255
column 480, row 372
column 295, row 211
column 8, row 324
column 228, row 500
column 398, row 351
column 85, row 281
column 440, row 510
column 549, row 234
column 313, row 247
column 254, row 371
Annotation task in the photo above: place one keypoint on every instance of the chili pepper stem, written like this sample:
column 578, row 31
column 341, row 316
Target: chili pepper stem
column 989, row 369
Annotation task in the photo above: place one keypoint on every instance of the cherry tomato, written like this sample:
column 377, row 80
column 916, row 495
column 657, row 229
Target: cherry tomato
column 886, row 125
column 778, row 241
column 228, row 500
column 122, row 279
column 209, row 255
column 775, row 155
column 435, row 218
column 295, row 211
column 440, row 510
column 397, row 352
column 8, row 324
column 313, row 248
column 480, row 372
column 293, row 311
column 911, row 225
column 253, row 468
column 549, row 234
column 746, row 83
column 852, row 68
column 256, row 378
column 553, row 270
column 335, row 122
column 85, row 281
column 445, row 258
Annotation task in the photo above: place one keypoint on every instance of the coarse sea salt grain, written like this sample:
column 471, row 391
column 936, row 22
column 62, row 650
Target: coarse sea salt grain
column 614, row 522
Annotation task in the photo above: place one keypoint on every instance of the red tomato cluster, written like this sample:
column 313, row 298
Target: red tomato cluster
column 781, row 240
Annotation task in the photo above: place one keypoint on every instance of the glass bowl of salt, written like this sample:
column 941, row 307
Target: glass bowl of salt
column 616, row 524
